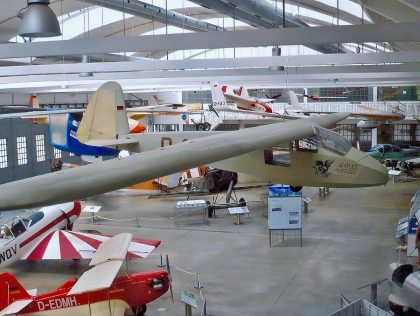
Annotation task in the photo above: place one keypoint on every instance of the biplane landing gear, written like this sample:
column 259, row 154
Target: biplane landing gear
column 139, row 311
column 295, row 189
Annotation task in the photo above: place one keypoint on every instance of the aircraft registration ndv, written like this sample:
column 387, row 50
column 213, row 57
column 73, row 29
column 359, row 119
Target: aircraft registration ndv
column 8, row 253
column 56, row 303
column 346, row 168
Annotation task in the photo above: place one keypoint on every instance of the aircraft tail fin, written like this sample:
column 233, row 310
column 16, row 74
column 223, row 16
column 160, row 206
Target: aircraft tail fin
column 105, row 116
column 12, row 289
column 243, row 92
column 217, row 95
column 294, row 100
column 33, row 101
column 159, row 100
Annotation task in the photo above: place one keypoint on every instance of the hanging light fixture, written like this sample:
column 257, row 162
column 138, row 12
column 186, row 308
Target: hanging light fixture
column 39, row 20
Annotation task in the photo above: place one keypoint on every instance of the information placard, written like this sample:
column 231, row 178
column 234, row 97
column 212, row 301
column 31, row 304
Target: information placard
column 284, row 212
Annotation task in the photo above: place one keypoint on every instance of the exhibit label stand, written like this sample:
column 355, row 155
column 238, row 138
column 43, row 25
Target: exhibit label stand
column 284, row 211
column 191, row 211
column 189, row 300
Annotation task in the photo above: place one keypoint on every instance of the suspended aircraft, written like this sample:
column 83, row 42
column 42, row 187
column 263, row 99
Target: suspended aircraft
column 99, row 291
column 244, row 105
column 370, row 118
column 42, row 236
column 327, row 158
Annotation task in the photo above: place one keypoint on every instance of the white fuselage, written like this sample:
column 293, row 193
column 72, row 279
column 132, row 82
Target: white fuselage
column 17, row 240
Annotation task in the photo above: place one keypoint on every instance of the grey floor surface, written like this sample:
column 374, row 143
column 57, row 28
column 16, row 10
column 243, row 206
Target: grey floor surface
column 348, row 241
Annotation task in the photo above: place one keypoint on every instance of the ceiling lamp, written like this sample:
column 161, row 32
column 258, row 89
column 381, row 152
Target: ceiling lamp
column 39, row 20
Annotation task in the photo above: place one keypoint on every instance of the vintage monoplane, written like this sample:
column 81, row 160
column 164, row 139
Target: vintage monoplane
column 99, row 291
column 41, row 236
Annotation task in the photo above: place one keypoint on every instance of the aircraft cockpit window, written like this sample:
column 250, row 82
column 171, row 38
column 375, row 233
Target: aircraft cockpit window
column 5, row 232
column 13, row 228
column 278, row 155
column 35, row 218
column 58, row 129
column 18, row 227
column 332, row 141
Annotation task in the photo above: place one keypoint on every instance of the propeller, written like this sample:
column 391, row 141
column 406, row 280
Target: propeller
column 170, row 278
column 274, row 96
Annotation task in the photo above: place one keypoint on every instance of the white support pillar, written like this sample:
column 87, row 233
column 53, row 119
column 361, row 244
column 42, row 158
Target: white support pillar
column 374, row 137
column 375, row 94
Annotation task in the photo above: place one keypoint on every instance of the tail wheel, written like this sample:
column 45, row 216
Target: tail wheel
column 295, row 189
column 139, row 311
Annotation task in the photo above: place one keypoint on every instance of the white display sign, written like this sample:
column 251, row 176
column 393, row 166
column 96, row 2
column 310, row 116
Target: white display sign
column 285, row 212
column 91, row 209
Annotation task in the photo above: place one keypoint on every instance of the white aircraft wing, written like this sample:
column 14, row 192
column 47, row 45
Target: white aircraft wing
column 78, row 183
column 111, row 142
column 257, row 113
column 67, row 245
column 158, row 109
column 15, row 307
column 107, row 261
column 98, row 278
column 38, row 114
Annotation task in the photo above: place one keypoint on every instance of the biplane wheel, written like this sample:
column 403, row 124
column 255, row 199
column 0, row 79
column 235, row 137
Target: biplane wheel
column 295, row 189
column 139, row 311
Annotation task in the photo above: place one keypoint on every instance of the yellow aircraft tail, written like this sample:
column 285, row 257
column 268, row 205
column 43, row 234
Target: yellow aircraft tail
column 34, row 103
column 105, row 117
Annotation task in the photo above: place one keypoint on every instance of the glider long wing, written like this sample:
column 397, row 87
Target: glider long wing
column 82, row 182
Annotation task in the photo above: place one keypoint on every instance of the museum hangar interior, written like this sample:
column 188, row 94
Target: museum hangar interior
column 209, row 157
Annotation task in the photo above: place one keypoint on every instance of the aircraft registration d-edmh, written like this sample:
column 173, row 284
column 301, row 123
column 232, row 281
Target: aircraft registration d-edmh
column 40, row 236
column 98, row 291
column 313, row 156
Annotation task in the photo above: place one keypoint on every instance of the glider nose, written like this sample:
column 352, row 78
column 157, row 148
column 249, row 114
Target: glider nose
column 375, row 172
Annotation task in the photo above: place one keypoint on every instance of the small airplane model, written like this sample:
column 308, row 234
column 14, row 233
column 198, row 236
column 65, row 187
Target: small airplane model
column 251, row 150
column 41, row 236
column 370, row 118
column 318, row 98
column 99, row 291
column 244, row 104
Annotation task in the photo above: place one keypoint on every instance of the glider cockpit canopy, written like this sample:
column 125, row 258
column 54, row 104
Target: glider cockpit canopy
column 329, row 140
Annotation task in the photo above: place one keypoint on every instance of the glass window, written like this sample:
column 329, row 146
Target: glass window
column 35, row 218
column 57, row 153
column 3, row 153
column 58, row 129
column 22, row 157
column 332, row 141
column 40, row 147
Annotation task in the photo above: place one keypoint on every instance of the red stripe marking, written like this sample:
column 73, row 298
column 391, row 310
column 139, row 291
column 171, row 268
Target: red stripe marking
column 267, row 108
column 94, row 243
column 75, row 211
column 150, row 242
column 39, row 250
column 43, row 230
column 67, row 250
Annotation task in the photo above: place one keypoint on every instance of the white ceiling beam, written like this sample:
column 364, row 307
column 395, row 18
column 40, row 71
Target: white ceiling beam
column 214, row 63
column 210, row 40
column 392, row 10
column 379, row 73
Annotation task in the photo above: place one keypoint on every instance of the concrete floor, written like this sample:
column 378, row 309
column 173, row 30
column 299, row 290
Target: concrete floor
column 349, row 240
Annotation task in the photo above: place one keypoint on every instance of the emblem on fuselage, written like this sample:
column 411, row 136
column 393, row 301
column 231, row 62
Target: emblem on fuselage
column 322, row 167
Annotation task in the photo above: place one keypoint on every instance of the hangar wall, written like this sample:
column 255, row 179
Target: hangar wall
column 26, row 151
